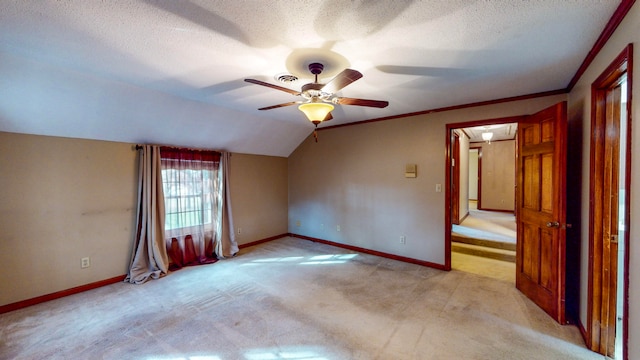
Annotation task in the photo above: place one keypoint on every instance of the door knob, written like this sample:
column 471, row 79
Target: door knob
column 553, row 224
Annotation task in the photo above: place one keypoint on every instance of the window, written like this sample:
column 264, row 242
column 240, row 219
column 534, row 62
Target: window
column 191, row 186
column 188, row 197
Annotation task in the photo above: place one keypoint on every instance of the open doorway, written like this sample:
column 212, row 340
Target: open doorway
column 541, row 249
column 483, row 231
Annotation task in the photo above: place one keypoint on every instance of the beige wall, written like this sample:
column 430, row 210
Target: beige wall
column 354, row 177
column 63, row 199
column 498, row 175
column 259, row 192
column 579, row 120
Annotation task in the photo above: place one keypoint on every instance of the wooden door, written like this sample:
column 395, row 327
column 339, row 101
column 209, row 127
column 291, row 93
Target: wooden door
column 541, row 228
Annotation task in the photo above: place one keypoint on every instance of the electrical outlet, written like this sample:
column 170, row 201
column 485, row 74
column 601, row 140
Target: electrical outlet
column 337, row 227
column 85, row 262
column 297, row 223
column 403, row 239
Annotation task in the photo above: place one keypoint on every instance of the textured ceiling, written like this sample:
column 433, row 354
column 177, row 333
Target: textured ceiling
column 171, row 72
column 499, row 131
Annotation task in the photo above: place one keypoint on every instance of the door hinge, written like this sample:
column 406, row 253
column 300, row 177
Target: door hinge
column 613, row 239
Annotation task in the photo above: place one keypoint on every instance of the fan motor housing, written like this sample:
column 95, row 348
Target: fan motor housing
column 312, row 86
column 314, row 91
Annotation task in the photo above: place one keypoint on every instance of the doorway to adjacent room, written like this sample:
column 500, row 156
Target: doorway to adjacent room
column 483, row 231
column 539, row 195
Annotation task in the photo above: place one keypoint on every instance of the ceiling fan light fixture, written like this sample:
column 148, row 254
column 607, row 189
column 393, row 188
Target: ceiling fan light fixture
column 316, row 112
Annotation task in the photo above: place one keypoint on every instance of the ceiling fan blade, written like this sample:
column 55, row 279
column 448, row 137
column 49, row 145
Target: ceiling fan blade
column 258, row 82
column 424, row 71
column 362, row 102
column 280, row 105
column 346, row 77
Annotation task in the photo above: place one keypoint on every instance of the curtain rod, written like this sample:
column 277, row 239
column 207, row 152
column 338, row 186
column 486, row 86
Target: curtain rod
column 140, row 147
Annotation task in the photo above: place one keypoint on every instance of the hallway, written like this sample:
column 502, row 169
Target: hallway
column 487, row 234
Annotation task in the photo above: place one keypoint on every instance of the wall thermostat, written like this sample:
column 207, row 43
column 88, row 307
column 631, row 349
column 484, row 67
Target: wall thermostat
column 410, row 171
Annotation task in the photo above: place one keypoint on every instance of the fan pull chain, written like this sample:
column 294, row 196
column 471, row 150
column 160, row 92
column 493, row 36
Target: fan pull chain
column 315, row 133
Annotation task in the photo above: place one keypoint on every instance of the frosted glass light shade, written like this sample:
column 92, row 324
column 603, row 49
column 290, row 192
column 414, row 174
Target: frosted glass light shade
column 316, row 112
column 487, row 136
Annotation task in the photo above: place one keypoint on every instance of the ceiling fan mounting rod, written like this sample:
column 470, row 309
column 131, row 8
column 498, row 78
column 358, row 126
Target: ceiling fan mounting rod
column 315, row 69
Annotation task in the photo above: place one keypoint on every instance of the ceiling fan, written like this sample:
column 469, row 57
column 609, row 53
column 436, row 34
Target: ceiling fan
column 318, row 98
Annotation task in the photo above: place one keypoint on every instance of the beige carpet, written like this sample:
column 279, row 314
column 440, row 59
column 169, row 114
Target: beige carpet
column 484, row 267
column 294, row 299
column 487, row 225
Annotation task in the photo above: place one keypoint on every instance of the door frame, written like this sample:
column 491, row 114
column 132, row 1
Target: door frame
column 448, row 174
column 478, row 175
column 455, row 170
column 599, row 291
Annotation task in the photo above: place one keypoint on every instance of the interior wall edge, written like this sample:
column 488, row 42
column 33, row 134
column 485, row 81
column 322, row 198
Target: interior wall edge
column 373, row 252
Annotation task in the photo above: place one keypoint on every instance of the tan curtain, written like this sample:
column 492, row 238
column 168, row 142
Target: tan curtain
column 227, row 246
column 149, row 257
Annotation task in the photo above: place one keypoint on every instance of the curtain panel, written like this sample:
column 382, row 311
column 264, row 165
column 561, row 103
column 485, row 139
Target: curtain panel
column 184, row 214
column 149, row 256
column 227, row 246
column 192, row 185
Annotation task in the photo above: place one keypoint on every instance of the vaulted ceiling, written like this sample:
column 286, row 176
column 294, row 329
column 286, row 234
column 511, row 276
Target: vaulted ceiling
column 171, row 72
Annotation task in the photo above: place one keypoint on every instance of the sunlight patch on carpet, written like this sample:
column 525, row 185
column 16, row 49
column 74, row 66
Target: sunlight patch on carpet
column 313, row 260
